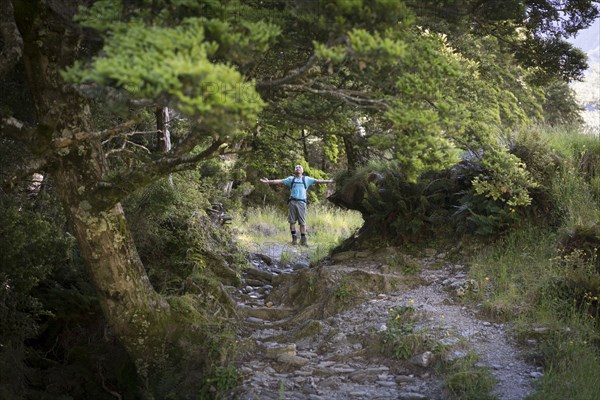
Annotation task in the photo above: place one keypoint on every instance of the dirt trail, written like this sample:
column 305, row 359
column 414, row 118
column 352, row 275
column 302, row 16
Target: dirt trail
column 330, row 351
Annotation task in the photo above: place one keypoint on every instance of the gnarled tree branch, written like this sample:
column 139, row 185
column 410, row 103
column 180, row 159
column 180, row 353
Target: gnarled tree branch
column 298, row 72
column 107, row 193
column 77, row 137
column 294, row 74
column 352, row 97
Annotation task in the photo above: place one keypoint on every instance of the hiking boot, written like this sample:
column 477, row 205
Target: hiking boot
column 294, row 240
column 303, row 241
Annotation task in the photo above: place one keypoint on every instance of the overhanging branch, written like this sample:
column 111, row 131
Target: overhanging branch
column 353, row 97
column 107, row 193
column 298, row 72
column 294, row 74
column 77, row 137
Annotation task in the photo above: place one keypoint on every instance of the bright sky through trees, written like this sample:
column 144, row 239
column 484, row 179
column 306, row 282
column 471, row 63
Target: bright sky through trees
column 588, row 40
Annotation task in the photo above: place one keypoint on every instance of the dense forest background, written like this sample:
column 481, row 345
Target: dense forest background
column 129, row 127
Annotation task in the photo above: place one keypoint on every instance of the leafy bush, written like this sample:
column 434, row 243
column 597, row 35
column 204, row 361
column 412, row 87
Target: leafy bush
column 189, row 255
column 549, row 274
column 175, row 235
column 400, row 337
column 565, row 164
column 444, row 202
column 32, row 246
column 488, row 192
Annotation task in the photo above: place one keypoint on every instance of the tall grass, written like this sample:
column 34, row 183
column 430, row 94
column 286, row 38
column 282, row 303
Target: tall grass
column 570, row 141
column 581, row 153
column 572, row 372
column 577, row 204
column 327, row 227
column 522, row 281
column 513, row 270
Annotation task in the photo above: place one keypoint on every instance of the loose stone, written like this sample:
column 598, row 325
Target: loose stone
column 422, row 360
column 292, row 360
column 274, row 350
column 412, row 396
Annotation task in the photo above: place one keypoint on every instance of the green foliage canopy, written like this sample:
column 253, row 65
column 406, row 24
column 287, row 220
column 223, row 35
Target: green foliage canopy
column 423, row 95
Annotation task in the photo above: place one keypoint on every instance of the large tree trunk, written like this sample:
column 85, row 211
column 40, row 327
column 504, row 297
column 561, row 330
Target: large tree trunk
column 132, row 308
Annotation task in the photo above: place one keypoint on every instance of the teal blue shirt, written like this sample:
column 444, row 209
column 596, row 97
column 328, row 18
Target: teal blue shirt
column 297, row 189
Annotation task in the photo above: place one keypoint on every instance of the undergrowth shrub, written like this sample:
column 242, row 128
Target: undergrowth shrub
column 579, row 261
column 487, row 193
column 571, row 371
column 400, row 339
column 466, row 380
column 548, row 275
column 443, row 202
column 550, row 299
column 542, row 162
column 32, row 246
column 176, row 237
column 190, row 255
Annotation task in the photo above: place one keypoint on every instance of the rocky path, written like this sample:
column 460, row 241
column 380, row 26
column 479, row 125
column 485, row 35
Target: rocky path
column 332, row 350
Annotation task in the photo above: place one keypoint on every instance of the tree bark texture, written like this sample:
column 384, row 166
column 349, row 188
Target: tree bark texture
column 163, row 122
column 132, row 307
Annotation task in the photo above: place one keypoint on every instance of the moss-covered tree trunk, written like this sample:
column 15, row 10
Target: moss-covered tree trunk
column 132, row 307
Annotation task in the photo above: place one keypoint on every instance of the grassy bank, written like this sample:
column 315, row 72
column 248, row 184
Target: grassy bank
column 524, row 280
column 551, row 292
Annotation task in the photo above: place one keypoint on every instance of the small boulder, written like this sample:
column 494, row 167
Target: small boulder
column 422, row 360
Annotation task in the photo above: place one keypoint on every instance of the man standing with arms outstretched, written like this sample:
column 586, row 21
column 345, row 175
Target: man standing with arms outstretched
column 298, row 184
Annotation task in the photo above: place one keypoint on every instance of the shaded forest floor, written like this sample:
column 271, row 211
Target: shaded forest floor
column 373, row 325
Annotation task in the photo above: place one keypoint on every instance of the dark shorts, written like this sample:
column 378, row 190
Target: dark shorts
column 297, row 212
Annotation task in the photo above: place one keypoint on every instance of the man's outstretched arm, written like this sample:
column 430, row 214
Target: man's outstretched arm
column 324, row 181
column 271, row 181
